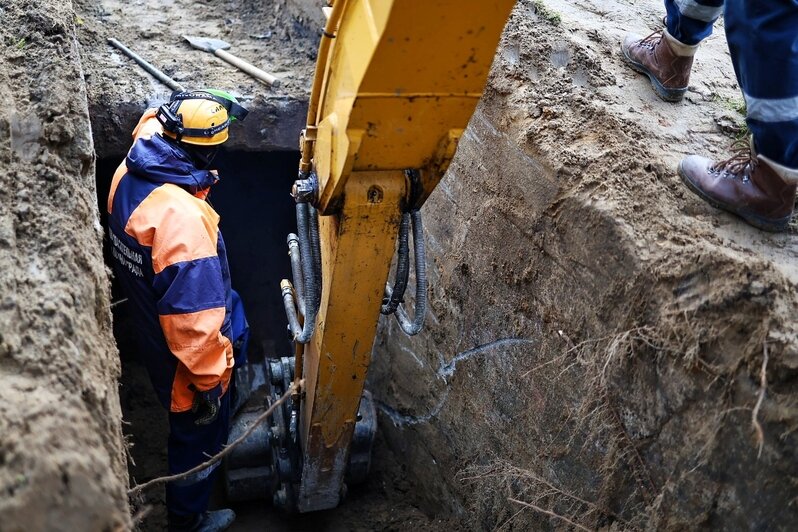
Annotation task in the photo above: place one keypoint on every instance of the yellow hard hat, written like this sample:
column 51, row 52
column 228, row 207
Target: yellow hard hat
column 199, row 117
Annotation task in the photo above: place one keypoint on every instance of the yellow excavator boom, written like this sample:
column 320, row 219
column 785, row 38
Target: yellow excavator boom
column 396, row 84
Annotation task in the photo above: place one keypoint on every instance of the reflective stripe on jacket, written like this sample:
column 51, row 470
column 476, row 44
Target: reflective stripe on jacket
column 170, row 259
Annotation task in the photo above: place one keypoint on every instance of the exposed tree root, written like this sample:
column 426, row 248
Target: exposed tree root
column 547, row 512
column 763, row 385
column 544, row 496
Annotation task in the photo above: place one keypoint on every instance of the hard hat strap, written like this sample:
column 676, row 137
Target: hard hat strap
column 207, row 132
column 233, row 109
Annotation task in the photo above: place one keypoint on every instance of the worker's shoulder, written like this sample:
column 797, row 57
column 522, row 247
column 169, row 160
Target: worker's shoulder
column 148, row 125
column 175, row 199
column 171, row 204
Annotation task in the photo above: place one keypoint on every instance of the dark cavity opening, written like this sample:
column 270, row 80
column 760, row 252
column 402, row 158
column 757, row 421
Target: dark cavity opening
column 257, row 213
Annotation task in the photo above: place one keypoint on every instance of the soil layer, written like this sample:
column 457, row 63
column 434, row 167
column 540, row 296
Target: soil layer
column 597, row 336
column 62, row 461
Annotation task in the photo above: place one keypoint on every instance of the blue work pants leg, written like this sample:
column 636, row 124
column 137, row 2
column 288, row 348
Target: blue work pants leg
column 763, row 41
column 189, row 446
column 690, row 21
column 241, row 383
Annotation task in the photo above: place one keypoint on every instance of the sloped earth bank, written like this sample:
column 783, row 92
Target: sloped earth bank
column 62, row 462
column 598, row 337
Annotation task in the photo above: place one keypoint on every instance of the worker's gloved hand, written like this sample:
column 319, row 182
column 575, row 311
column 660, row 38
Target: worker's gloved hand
column 206, row 404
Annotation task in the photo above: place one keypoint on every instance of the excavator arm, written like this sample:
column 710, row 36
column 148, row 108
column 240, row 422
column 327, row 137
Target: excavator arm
column 396, row 83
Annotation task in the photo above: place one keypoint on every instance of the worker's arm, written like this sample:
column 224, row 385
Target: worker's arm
column 190, row 288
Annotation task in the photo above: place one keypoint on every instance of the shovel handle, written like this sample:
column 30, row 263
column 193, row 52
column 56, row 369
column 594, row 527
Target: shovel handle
column 252, row 70
column 160, row 76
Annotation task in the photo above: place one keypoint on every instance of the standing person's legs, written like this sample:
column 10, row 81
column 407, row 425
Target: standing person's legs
column 691, row 21
column 759, row 187
column 763, row 41
column 189, row 446
column 666, row 57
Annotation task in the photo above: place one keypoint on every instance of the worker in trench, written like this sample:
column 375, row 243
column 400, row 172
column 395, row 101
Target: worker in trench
column 170, row 260
column 758, row 183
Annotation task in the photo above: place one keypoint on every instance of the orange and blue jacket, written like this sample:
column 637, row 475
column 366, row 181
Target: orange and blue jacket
column 170, row 259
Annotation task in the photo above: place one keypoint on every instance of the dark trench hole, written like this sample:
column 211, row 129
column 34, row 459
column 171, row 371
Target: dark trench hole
column 257, row 213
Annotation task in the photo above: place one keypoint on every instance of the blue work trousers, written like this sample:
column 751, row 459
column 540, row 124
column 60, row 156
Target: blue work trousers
column 189, row 446
column 763, row 41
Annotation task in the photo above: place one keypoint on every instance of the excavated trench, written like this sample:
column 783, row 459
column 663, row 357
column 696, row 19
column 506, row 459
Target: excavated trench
column 601, row 347
column 257, row 167
column 256, row 214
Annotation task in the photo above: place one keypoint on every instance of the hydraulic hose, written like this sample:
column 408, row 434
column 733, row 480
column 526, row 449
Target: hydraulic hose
column 315, row 245
column 290, row 308
column 296, row 272
column 309, row 281
column 412, row 327
column 394, row 296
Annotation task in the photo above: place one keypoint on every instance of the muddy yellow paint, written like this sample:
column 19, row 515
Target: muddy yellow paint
column 357, row 246
column 394, row 90
column 401, row 76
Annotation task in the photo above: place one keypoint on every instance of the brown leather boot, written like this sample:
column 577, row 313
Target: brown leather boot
column 666, row 61
column 751, row 186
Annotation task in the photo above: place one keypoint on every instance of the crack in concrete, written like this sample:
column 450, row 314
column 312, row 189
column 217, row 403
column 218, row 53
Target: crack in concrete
column 445, row 371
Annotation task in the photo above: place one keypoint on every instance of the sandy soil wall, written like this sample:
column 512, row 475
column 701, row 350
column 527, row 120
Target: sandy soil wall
column 596, row 336
column 310, row 11
column 62, row 464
